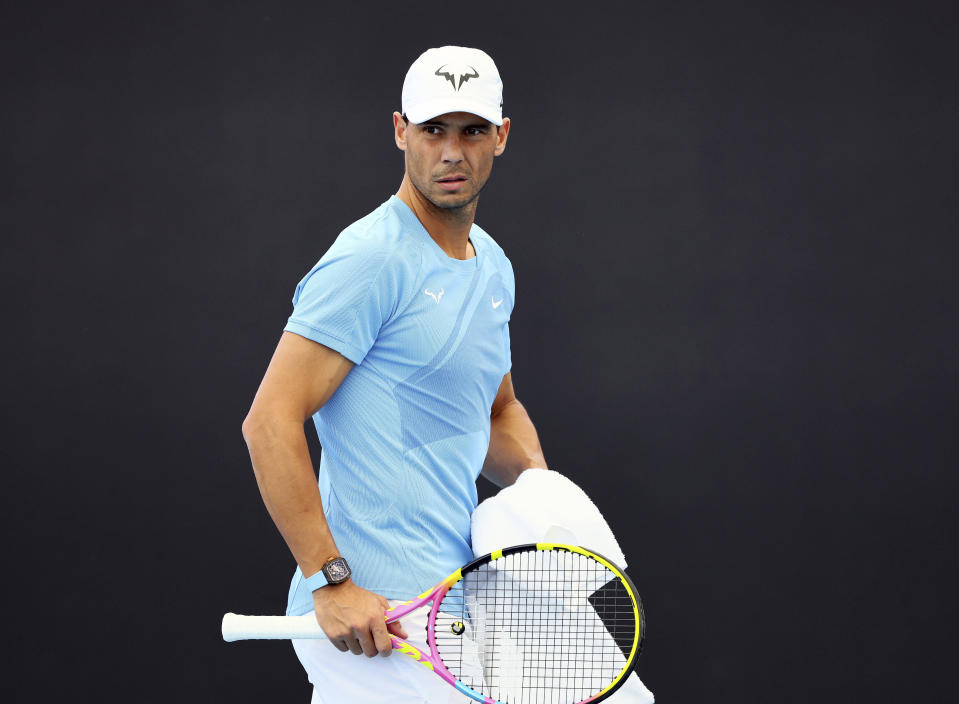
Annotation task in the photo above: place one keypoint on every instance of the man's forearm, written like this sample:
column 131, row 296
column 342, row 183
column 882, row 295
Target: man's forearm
column 284, row 474
column 513, row 446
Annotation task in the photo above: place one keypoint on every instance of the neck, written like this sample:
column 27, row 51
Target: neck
column 449, row 227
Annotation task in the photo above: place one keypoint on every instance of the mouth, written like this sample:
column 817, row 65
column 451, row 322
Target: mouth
column 451, row 183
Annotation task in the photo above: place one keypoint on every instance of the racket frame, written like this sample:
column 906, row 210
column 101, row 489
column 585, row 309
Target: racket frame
column 436, row 594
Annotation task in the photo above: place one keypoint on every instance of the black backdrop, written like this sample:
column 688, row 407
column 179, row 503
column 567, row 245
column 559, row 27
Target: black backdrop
column 732, row 229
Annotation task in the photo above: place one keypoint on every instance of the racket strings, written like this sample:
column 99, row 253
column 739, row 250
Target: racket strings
column 538, row 627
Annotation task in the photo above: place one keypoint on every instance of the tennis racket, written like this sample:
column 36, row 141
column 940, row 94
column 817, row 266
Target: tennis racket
column 531, row 624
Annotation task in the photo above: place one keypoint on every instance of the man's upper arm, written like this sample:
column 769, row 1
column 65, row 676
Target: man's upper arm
column 504, row 395
column 301, row 377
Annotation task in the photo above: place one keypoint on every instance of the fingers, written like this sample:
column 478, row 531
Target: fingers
column 356, row 646
column 352, row 619
column 382, row 631
column 379, row 643
column 396, row 628
column 381, row 639
column 348, row 644
column 370, row 641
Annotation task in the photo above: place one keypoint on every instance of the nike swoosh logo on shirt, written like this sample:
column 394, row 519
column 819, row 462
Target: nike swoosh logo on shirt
column 495, row 303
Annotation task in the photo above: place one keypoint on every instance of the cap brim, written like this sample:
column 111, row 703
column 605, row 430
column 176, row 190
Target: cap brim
column 434, row 108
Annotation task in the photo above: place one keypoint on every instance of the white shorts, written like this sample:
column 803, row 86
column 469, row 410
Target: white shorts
column 339, row 677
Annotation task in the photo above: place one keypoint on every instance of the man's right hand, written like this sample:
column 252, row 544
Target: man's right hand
column 352, row 618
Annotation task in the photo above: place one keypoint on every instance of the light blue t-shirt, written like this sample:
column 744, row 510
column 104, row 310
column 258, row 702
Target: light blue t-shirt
column 405, row 435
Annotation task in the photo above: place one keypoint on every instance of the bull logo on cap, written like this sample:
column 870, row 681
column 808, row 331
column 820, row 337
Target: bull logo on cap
column 466, row 73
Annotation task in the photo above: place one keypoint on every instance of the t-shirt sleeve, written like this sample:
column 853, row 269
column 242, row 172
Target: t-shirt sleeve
column 511, row 290
column 346, row 298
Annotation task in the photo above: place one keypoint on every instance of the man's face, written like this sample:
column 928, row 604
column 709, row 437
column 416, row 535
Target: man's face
column 449, row 158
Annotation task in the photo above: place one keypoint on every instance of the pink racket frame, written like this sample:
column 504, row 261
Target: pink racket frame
column 436, row 594
column 432, row 661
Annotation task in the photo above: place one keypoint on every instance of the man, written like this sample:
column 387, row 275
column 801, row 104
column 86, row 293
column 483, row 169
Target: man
column 398, row 347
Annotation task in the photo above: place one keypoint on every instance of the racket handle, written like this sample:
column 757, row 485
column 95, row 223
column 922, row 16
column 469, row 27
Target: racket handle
column 237, row 627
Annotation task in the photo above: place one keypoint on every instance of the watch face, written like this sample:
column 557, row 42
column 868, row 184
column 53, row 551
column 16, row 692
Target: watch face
column 336, row 570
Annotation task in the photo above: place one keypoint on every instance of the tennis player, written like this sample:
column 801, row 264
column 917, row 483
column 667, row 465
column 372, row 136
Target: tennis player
column 398, row 347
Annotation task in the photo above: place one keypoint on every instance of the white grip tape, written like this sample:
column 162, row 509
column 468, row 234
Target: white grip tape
column 237, row 627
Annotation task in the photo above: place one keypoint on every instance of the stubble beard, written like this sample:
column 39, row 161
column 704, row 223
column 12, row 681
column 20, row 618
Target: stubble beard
column 450, row 207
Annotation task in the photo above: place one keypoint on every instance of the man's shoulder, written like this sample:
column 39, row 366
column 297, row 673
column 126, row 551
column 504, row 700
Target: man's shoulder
column 381, row 230
column 482, row 238
column 377, row 247
column 378, row 243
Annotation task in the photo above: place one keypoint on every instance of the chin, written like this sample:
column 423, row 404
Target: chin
column 451, row 201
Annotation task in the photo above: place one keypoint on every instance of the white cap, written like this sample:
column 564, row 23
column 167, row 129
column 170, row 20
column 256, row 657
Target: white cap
column 453, row 79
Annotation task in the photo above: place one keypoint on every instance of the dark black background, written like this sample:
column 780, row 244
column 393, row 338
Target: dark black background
column 732, row 229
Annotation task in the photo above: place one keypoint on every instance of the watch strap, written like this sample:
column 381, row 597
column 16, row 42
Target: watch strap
column 314, row 582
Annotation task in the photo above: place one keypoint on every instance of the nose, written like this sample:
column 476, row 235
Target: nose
column 452, row 151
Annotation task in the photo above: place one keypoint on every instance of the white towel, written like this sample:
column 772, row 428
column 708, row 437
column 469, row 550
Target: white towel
column 544, row 506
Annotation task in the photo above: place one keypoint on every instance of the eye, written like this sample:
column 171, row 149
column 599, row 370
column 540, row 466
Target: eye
column 475, row 131
column 431, row 129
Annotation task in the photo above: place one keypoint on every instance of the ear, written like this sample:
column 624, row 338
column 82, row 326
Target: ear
column 502, row 133
column 399, row 131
